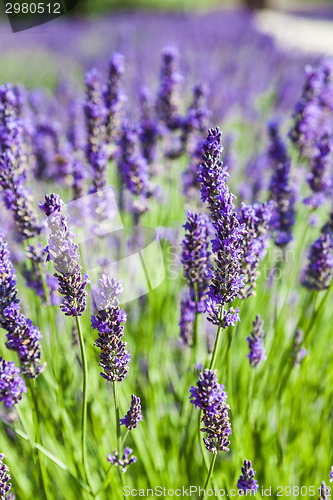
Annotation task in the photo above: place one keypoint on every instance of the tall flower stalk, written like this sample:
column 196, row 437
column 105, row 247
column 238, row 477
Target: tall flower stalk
column 227, row 277
column 72, row 283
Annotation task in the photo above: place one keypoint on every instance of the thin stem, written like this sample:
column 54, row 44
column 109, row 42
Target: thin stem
column 84, row 405
column 116, row 407
column 209, row 475
column 124, row 438
column 34, row 407
column 217, row 343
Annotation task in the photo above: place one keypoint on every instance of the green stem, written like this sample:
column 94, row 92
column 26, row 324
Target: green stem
column 217, row 343
column 84, row 405
column 124, row 438
column 42, row 470
column 209, row 475
column 116, row 407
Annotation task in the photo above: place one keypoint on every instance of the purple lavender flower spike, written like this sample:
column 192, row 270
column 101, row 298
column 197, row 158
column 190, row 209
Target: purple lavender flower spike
column 299, row 352
column 186, row 321
column 22, row 335
column 65, row 255
column 196, row 121
column 246, row 480
column 133, row 169
column 114, row 95
column 324, row 492
column 134, row 415
column 227, row 279
column 149, row 131
column 195, row 256
column 123, row 463
column 5, row 485
column 318, row 274
column 282, row 191
column 190, row 175
column 114, row 357
column 228, row 318
column 12, row 386
column 210, row 397
column 318, row 178
column 311, row 112
column 52, row 204
column 256, row 219
column 13, row 164
column 95, row 113
column 331, row 475
column 256, row 342
column 168, row 94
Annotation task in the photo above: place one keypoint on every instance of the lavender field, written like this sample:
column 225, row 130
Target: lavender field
column 166, row 255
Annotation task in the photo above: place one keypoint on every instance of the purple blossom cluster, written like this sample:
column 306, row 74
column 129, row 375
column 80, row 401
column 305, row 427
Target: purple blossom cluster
column 195, row 255
column 256, row 219
column 114, row 357
column 149, row 129
column 127, row 459
column 282, row 191
column 65, row 256
column 134, row 415
column 168, row 100
column 256, row 342
column 318, row 273
column 5, row 485
column 114, row 95
column 319, row 178
column 95, row 113
column 228, row 278
column 13, row 164
column 12, row 386
column 209, row 396
column 246, row 481
column 311, row 113
column 324, row 492
column 299, row 351
column 331, row 475
column 22, row 336
column 133, row 168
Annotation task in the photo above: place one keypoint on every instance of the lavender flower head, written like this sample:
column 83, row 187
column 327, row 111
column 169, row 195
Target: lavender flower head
column 282, row 191
column 256, row 218
column 123, row 463
column 168, row 94
column 318, row 178
column 22, row 336
column 246, row 480
column 195, row 256
column 331, row 475
column 114, row 95
column 187, row 317
column 12, row 386
column 256, row 342
column 324, row 492
column 13, row 164
column 210, row 397
column 95, row 113
column 52, row 203
column 5, row 485
column 134, row 415
column 114, row 357
column 310, row 113
column 318, row 273
column 65, row 255
column 227, row 279
column 299, row 352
